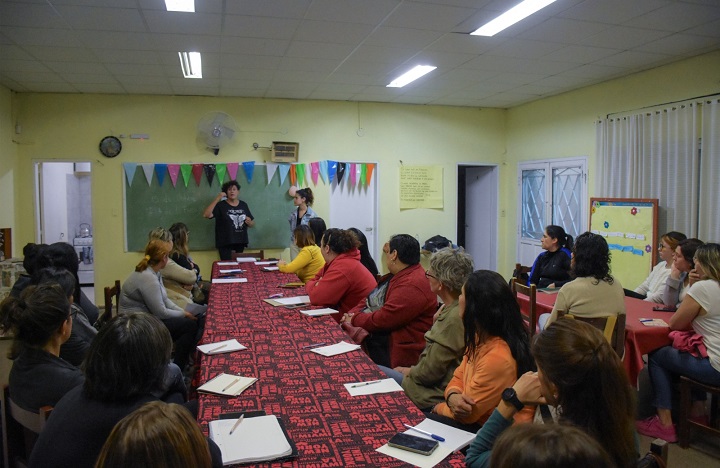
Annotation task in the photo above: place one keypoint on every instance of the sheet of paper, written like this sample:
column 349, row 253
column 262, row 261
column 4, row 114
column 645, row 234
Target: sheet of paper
column 246, row 260
column 658, row 322
column 234, row 270
column 271, row 268
column 380, row 386
column 455, row 439
column 267, row 262
column 334, row 350
column 319, row 312
column 295, row 300
column 220, row 347
column 229, row 280
column 227, row 263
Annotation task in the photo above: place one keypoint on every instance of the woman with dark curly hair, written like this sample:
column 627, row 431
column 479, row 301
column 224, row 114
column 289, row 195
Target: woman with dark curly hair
column 593, row 292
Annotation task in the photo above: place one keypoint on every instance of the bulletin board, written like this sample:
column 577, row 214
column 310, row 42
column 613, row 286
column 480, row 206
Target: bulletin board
column 629, row 225
column 148, row 206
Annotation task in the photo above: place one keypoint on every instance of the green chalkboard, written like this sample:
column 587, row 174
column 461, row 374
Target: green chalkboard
column 150, row 206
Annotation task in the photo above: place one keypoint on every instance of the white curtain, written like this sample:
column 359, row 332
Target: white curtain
column 653, row 155
column 709, row 221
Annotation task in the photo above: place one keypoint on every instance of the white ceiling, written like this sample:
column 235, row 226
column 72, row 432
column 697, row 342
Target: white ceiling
column 346, row 50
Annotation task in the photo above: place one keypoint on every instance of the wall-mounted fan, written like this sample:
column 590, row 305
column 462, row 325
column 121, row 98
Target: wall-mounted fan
column 216, row 129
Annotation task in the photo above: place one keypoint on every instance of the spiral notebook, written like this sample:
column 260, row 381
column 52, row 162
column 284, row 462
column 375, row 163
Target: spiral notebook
column 257, row 438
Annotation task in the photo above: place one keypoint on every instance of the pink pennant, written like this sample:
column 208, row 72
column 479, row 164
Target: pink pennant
column 314, row 172
column 174, row 170
column 232, row 169
column 353, row 174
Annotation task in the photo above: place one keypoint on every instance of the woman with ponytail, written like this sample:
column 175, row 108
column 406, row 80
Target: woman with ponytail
column 552, row 267
column 143, row 291
column 580, row 374
column 41, row 321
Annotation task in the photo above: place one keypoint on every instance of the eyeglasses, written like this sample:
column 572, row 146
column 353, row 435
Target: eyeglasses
column 428, row 275
column 662, row 246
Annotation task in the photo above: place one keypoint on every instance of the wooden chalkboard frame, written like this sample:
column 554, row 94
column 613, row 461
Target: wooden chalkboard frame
column 648, row 261
column 148, row 206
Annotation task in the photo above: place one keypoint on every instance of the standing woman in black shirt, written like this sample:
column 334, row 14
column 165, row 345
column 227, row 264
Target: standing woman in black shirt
column 232, row 218
column 552, row 267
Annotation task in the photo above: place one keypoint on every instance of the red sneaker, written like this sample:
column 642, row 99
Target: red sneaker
column 652, row 427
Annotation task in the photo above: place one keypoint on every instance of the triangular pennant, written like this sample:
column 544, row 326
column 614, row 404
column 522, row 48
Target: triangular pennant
column 148, row 169
column 363, row 174
column 369, row 170
column 314, row 170
column 160, row 171
column 186, row 170
column 221, row 170
column 323, row 165
column 197, row 170
column 130, row 172
column 249, row 167
column 232, row 170
column 331, row 170
column 173, row 170
column 353, row 175
column 209, row 172
column 293, row 175
column 271, row 168
column 300, row 171
column 340, row 171
column 284, row 169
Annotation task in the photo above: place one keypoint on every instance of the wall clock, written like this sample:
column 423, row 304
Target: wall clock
column 110, row 146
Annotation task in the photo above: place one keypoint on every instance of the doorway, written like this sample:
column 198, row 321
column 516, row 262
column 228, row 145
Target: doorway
column 478, row 213
column 63, row 212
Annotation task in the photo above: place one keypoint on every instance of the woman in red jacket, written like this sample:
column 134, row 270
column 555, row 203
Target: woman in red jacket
column 397, row 324
column 343, row 281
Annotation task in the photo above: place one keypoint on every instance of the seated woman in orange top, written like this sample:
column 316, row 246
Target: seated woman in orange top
column 343, row 282
column 497, row 352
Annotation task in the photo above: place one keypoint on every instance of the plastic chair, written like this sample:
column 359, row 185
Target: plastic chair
column 531, row 292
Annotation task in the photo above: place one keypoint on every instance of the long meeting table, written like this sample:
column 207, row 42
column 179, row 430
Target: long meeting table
column 329, row 427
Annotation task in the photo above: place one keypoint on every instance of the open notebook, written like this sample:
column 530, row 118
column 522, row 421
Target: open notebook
column 254, row 440
column 227, row 384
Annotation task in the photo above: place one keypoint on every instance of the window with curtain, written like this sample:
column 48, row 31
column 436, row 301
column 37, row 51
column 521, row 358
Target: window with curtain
column 658, row 155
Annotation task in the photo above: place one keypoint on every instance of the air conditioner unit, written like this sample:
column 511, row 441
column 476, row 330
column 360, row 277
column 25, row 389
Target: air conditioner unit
column 285, row 152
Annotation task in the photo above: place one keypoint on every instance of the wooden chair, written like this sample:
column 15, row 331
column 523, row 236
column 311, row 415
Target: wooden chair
column 110, row 310
column 685, row 424
column 259, row 254
column 521, row 272
column 531, row 292
column 613, row 328
column 20, row 429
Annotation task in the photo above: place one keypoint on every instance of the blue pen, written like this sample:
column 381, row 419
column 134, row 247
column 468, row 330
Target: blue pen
column 434, row 436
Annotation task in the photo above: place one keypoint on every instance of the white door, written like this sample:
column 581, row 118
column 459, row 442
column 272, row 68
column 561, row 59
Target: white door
column 481, row 214
column 356, row 206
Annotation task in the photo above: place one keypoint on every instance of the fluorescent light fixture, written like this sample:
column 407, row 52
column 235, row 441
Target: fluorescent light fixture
column 180, row 5
column 411, row 76
column 191, row 64
column 513, row 15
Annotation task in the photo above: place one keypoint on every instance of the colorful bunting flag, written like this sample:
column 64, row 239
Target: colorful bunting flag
column 314, row 170
column 148, row 169
column 130, row 172
column 197, row 170
column 186, row 170
column 369, row 170
column 284, row 169
column 332, row 167
column 232, row 170
column 300, row 171
column 160, row 171
column 173, row 170
column 293, row 175
column 249, row 167
column 271, row 168
column 221, row 170
column 210, row 172
column 363, row 174
column 341, row 166
column 353, row 175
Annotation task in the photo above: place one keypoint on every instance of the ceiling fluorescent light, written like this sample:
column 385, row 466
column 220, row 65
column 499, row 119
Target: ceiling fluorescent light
column 513, row 15
column 191, row 64
column 180, row 5
column 411, row 76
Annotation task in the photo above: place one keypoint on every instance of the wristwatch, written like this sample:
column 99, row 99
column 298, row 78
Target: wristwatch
column 509, row 396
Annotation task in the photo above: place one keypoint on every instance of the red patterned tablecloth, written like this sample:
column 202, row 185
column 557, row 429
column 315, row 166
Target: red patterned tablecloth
column 329, row 427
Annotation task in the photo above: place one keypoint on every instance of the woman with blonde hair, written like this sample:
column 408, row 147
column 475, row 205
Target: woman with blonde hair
column 178, row 280
column 309, row 259
column 157, row 434
column 652, row 288
column 143, row 291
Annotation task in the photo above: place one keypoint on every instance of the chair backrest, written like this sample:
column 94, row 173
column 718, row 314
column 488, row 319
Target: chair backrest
column 259, row 254
column 521, row 271
column 111, row 310
column 20, row 429
column 530, row 292
column 613, row 328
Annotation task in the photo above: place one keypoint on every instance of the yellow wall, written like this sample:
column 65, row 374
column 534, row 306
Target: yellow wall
column 8, row 164
column 69, row 127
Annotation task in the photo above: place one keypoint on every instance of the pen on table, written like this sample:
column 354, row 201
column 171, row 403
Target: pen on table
column 272, row 296
column 231, row 384
column 237, row 423
column 365, row 383
column 215, row 349
column 312, row 345
column 646, row 320
column 434, row 436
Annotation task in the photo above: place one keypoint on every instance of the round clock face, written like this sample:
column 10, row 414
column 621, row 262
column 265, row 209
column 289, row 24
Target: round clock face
column 110, row 146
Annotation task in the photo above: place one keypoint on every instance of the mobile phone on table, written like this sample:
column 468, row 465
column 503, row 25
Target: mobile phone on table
column 413, row 443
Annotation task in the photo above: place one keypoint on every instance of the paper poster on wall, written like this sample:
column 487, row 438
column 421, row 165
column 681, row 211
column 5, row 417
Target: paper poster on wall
column 421, row 187
column 630, row 228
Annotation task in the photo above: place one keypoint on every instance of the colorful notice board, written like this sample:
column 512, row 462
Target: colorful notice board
column 629, row 225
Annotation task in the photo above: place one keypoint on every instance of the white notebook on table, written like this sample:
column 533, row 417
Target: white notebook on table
column 254, row 440
column 227, row 346
column 227, row 384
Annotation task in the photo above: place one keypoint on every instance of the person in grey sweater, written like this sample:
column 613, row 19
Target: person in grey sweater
column 143, row 291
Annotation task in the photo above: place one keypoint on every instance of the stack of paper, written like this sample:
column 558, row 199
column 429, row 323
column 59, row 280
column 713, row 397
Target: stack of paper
column 253, row 440
column 246, row 260
column 227, row 346
column 319, row 312
column 292, row 302
column 267, row 262
column 227, row 384
column 335, row 349
column 229, row 280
